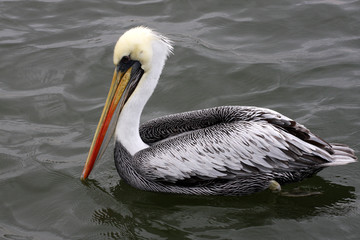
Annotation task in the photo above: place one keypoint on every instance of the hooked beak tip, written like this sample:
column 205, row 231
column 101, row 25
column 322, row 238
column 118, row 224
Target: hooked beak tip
column 83, row 177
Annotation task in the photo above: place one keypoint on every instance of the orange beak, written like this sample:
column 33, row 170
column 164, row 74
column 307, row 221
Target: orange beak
column 118, row 94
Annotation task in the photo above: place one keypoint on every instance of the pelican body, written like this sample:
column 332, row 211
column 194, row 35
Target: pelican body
column 229, row 150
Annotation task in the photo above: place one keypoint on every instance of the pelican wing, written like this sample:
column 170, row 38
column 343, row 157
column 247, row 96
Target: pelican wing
column 260, row 141
column 169, row 126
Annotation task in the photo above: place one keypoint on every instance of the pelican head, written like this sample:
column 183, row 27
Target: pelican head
column 139, row 57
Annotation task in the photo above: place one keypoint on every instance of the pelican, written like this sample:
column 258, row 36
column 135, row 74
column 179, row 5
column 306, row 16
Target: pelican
column 228, row 150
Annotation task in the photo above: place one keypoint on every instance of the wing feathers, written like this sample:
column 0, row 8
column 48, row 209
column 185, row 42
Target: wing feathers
column 226, row 142
column 224, row 151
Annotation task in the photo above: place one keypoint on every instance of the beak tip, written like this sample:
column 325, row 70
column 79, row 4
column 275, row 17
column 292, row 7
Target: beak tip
column 84, row 175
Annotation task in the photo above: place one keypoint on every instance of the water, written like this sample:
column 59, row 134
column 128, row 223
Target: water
column 297, row 57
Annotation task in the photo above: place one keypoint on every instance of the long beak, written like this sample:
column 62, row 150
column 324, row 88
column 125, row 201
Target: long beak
column 118, row 94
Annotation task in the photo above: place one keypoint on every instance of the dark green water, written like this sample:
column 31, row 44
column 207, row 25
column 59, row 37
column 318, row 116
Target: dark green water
column 300, row 58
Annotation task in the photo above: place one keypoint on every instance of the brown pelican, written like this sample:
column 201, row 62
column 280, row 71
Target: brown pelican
column 229, row 150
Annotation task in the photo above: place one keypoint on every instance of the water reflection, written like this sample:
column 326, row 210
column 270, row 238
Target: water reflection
column 147, row 214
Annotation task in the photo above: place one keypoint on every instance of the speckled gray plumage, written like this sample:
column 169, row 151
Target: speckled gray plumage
column 225, row 151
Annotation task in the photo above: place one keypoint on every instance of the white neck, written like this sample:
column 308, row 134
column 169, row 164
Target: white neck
column 127, row 129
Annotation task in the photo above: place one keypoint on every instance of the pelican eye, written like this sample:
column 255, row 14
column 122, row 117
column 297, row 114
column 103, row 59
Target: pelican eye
column 124, row 64
column 125, row 59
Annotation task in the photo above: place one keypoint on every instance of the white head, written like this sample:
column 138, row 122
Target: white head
column 139, row 44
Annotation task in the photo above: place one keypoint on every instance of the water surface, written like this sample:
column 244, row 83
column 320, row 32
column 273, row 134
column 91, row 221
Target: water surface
column 300, row 58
